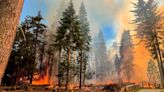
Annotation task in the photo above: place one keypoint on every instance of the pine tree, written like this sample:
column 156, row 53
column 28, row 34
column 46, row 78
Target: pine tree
column 35, row 25
column 85, row 42
column 126, row 55
column 23, row 53
column 101, row 56
column 117, row 66
column 21, row 62
column 149, row 29
column 10, row 11
column 67, row 35
column 53, row 52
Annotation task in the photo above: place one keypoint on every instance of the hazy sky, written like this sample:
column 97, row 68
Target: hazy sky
column 101, row 13
column 110, row 16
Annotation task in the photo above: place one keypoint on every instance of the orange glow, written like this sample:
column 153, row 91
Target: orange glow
column 41, row 80
column 141, row 58
column 161, row 8
column 73, row 86
column 141, row 54
column 103, row 83
column 131, row 81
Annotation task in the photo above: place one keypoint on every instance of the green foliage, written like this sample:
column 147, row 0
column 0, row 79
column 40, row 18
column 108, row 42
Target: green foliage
column 70, row 40
column 22, row 60
column 83, row 45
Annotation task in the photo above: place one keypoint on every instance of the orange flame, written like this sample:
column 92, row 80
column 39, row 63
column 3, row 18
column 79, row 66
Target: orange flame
column 41, row 80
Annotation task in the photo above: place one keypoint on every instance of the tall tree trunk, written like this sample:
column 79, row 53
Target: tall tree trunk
column 119, row 76
column 49, row 67
column 160, row 72
column 10, row 11
column 41, row 58
column 67, row 73
column 36, row 54
column 53, row 68
column 59, row 70
column 84, row 76
column 16, row 77
column 81, row 57
column 31, row 77
column 159, row 58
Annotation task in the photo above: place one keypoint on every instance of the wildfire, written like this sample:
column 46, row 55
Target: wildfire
column 73, row 86
column 41, row 81
column 131, row 81
column 103, row 83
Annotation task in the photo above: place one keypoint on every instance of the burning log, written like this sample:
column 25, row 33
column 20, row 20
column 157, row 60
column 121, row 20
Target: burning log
column 112, row 88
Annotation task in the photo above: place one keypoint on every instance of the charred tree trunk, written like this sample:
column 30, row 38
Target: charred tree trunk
column 41, row 59
column 84, row 76
column 59, row 70
column 159, row 58
column 49, row 64
column 10, row 11
column 16, row 78
column 119, row 76
column 31, row 77
column 53, row 68
column 67, row 72
column 81, row 57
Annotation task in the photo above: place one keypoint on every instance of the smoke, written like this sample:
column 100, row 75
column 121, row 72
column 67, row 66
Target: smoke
column 105, row 12
column 100, row 12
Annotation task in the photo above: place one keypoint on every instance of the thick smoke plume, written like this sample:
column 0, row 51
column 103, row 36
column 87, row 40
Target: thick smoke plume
column 114, row 13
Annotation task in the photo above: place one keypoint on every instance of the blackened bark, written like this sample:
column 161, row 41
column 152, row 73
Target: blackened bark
column 80, row 82
column 67, row 72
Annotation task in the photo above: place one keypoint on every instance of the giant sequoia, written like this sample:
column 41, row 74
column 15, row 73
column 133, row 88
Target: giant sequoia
column 9, row 17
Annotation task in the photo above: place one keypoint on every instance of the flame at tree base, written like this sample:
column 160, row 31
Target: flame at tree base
column 41, row 80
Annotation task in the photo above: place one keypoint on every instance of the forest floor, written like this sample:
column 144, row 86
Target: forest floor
column 43, row 88
column 26, row 91
column 151, row 90
column 142, row 90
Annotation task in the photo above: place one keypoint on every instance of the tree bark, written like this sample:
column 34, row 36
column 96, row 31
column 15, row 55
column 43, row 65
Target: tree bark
column 80, row 82
column 53, row 68
column 84, row 76
column 10, row 11
column 159, row 58
column 67, row 73
column 59, row 70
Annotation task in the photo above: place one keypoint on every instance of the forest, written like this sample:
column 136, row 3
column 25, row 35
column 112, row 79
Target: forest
column 67, row 56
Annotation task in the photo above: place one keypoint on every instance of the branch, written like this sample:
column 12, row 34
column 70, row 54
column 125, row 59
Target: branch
column 23, row 33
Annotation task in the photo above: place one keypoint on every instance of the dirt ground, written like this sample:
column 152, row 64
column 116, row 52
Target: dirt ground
column 152, row 90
